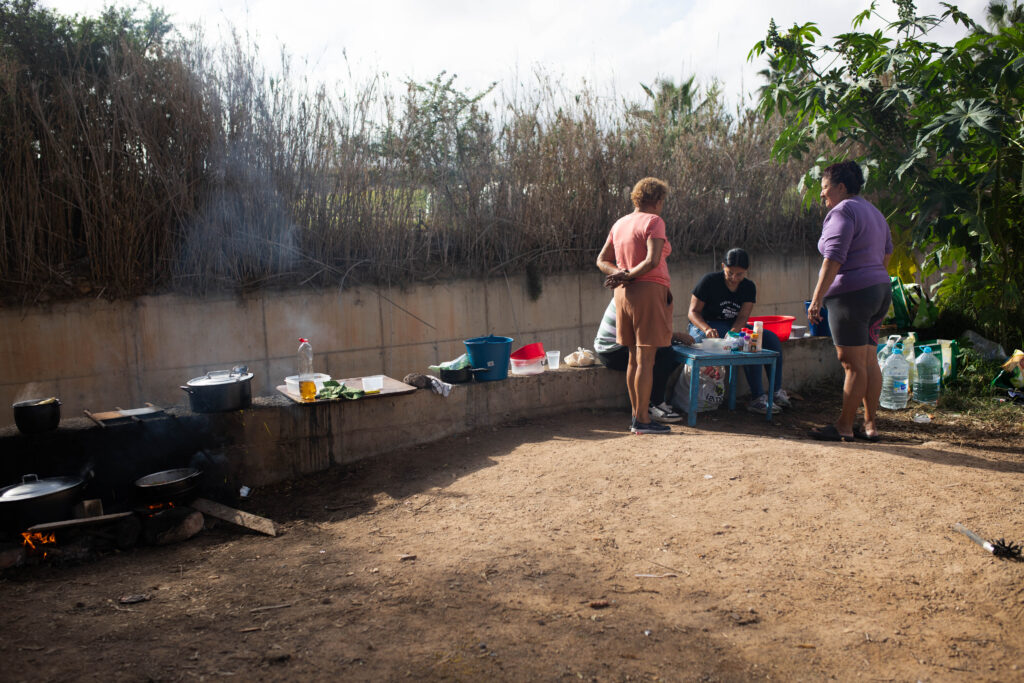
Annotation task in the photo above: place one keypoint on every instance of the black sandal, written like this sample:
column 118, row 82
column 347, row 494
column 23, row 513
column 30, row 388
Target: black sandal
column 859, row 433
column 828, row 433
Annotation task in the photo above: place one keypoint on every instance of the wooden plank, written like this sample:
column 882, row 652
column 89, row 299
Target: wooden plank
column 391, row 387
column 246, row 519
column 71, row 523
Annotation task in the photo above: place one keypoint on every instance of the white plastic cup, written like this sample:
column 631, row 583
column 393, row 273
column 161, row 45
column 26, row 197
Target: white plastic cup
column 554, row 359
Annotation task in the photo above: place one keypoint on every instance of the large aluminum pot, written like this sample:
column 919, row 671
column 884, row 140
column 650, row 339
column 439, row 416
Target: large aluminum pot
column 37, row 501
column 220, row 391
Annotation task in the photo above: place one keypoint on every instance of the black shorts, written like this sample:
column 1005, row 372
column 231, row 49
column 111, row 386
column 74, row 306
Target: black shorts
column 856, row 317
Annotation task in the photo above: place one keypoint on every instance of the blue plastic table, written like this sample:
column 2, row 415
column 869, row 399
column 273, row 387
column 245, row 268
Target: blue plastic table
column 698, row 358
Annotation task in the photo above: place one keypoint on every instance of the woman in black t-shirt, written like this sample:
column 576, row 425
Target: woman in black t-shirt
column 721, row 303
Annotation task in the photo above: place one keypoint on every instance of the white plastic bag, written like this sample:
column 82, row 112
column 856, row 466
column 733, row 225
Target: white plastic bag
column 581, row 358
column 710, row 391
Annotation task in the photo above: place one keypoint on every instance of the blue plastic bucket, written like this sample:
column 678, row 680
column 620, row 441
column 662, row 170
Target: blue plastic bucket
column 489, row 354
column 819, row 329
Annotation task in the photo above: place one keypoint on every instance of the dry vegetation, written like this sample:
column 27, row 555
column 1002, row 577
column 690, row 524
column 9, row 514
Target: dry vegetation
column 135, row 166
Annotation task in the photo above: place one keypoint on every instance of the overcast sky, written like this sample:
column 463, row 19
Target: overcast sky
column 613, row 44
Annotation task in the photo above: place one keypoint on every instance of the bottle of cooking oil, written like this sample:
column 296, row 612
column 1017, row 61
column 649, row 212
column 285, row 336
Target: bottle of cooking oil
column 307, row 383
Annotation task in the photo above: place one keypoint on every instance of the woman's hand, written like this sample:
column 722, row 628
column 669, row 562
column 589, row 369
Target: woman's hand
column 814, row 311
column 615, row 279
column 711, row 333
column 682, row 338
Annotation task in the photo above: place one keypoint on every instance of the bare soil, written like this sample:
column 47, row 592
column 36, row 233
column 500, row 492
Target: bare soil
column 567, row 548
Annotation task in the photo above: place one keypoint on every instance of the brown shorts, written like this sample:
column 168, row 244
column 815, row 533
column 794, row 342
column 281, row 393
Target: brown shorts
column 643, row 314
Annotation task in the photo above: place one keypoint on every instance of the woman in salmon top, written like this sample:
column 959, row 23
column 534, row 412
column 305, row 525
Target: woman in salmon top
column 633, row 259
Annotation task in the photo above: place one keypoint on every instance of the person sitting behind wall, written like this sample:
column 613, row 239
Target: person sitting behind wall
column 721, row 303
column 614, row 356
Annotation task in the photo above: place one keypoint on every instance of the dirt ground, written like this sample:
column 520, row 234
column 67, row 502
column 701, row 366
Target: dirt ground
column 566, row 548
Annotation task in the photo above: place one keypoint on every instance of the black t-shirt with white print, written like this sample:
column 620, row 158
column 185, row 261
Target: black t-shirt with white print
column 719, row 302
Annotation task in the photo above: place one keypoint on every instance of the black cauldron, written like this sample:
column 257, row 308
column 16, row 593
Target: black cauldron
column 37, row 415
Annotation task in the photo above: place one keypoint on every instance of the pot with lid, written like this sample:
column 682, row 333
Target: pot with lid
column 220, row 390
column 37, row 501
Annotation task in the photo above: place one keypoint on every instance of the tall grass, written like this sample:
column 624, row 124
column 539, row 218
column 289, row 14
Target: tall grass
column 187, row 167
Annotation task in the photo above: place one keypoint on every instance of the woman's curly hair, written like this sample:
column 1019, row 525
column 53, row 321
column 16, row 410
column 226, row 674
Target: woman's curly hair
column 648, row 192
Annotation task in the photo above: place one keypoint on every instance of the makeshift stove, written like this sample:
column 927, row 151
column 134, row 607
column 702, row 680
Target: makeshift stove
column 83, row 539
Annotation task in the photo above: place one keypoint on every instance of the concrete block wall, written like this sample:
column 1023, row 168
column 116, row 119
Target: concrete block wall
column 100, row 355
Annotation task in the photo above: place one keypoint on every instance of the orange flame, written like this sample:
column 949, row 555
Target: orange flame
column 32, row 540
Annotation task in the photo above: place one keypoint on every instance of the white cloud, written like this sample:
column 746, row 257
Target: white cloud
column 610, row 43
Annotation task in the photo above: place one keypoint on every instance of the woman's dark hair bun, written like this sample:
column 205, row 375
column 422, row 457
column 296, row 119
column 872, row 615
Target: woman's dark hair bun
column 737, row 258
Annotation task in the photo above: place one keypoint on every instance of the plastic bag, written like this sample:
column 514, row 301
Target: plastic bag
column 710, row 391
column 581, row 358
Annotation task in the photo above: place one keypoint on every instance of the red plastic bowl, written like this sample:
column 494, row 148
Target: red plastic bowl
column 781, row 325
column 529, row 352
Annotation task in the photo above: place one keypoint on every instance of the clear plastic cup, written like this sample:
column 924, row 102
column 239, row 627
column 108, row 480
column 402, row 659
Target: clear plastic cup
column 554, row 359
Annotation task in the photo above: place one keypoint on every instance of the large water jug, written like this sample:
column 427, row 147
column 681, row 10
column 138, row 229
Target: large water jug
column 894, row 382
column 926, row 381
column 886, row 351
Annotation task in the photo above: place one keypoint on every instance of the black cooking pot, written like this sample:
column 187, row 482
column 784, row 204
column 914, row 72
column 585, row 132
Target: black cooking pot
column 169, row 485
column 37, row 415
column 37, row 501
column 220, row 391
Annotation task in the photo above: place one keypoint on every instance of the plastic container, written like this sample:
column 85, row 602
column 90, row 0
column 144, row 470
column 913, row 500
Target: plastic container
column 781, row 325
column 908, row 352
column 895, row 386
column 524, row 366
column 291, row 383
column 554, row 359
column 928, row 377
column 373, row 384
column 949, row 352
column 885, row 351
column 820, row 329
column 529, row 352
column 304, row 370
column 491, row 355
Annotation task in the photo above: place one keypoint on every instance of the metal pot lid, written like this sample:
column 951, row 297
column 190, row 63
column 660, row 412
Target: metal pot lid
column 216, row 377
column 32, row 486
column 168, row 477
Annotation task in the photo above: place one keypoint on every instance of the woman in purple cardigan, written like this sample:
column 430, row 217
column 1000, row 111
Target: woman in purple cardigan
column 853, row 284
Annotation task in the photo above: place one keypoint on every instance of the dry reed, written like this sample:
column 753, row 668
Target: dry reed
column 190, row 168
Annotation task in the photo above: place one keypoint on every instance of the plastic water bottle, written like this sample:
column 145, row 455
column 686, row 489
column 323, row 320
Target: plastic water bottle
column 908, row 353
column 895, row 382
column 883, row 355
column 926, row 382
column 304, row 368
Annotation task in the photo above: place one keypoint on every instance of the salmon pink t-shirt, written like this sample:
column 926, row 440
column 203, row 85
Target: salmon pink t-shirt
column 629, row 236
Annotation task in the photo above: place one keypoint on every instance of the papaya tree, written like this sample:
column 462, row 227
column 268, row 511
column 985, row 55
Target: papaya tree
column 939, row 130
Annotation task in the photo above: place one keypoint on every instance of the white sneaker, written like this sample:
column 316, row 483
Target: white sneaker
column 782, row 399
column 664, row 413
column 760, row 405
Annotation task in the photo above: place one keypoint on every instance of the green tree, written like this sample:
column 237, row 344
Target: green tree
column 940, row 130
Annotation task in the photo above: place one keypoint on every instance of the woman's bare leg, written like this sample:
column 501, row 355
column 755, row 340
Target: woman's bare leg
column 643, row 380
column 631, row 372
column 855, row 385
column 873, row 390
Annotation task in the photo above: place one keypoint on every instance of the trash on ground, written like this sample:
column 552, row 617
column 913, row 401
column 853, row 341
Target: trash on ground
column 133, row 599
column 999, row 548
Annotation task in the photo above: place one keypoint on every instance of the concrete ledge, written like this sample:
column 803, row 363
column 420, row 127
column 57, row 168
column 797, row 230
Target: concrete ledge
column 277, row 439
